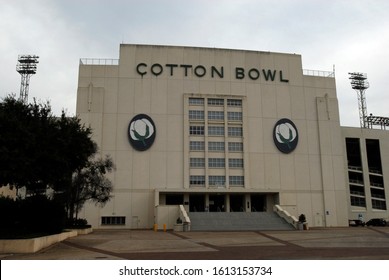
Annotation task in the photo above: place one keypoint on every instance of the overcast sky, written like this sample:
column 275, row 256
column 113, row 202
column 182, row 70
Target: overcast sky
column 352, row 35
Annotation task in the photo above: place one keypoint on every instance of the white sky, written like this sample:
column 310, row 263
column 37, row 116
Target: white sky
column 353, row 35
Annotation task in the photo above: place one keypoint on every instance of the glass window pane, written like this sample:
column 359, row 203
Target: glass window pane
column 216, row 115
column 235, row 147
column 196, row 115
column 196, row 130
column 196, row 101
column 196, row 146
column 235, row 131
column 216, row 101
column 234, row 116
column 216, row 162
column 234, row 102
column 216, row 130
column 216, row 146
column 217, row 180
column 197, row 162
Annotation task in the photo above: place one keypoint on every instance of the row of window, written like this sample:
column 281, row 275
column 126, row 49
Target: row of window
column 216, row 162
column 215, row 146
column 113, row 220
column 199, row 180
column 215, row 115
column 361, row 202
column 215, row 102
column 216, row 130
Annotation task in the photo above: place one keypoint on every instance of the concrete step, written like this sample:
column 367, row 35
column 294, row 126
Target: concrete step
column 237, row 221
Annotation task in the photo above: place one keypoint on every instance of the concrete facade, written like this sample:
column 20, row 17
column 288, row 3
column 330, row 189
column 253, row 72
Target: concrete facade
column 214, row 114
column 367, row 164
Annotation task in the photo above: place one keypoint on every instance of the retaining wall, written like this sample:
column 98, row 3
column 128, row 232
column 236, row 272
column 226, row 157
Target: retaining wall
column 33, row 245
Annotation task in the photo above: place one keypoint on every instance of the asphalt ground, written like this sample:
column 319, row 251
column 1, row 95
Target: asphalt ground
column 367, row 243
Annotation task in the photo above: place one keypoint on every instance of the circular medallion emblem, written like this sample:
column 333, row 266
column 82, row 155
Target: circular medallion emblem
column 285, row 136
column 141, row 132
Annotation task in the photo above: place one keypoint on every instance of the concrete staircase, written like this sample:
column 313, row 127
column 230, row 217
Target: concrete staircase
column 237, row 221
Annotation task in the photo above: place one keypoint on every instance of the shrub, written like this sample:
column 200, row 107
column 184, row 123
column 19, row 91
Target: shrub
column 77, row 223
column 36, row 215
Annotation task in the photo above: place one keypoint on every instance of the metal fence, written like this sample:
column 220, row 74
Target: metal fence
column 319, row 73
column 99, row 61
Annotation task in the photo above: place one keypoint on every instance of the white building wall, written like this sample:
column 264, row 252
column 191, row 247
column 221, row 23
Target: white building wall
column 310, row 180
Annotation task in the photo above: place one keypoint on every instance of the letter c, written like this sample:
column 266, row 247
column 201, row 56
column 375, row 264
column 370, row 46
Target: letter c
column 139, row 71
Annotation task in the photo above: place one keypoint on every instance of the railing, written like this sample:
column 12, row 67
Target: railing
column 358, row 168
column 357, row 193
column 378, row 196
column 375, row 171
column 358, row 182
column 184, row 214
column 319, row 73
column 381, row 186
column 99, row 61
column 286, row 216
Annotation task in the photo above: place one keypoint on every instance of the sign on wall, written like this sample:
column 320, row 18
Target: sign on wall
column 141, row 132
column 285, row 136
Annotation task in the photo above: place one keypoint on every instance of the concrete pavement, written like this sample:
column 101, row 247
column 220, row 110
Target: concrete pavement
column 325, row 243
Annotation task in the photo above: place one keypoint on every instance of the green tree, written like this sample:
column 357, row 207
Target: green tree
column 40, row 151
column 24, row 144
column 90, row 183
column 37, row 149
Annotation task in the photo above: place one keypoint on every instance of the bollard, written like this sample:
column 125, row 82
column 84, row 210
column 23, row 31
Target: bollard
column 155, row 227
column 164, row 227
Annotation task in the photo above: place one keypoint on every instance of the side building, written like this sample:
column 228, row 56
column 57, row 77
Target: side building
column 367, row 164
column 214, row 130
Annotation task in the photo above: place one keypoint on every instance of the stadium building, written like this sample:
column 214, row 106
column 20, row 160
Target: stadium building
column 206, row 131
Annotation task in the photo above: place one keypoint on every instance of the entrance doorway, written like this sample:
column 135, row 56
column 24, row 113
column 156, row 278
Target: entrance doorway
column 217, row 203
column 236, row 203
column 258, row 203
column 196, row 203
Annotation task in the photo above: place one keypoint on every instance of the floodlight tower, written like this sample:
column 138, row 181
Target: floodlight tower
column 360, row 84
column 26, row 67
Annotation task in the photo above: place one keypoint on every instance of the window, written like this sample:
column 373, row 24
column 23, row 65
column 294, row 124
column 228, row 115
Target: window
column 196, row 101
column 216, row 162
column 353, row 153
column 234, row 116
column 235, row 163
column 113, row 220
column 197, row 162
column 216, row 146
column 377, row 193
column 235, row 131
column 358, row 201
column 196, row 130
column 378, row 204
column 216, row 130
column 235, row 147
column 216, row 101
column 216, row 115
column 357, row 190
column 196, row 115
column 234, row 102
column 197, row 180
column 236, row 180
column 196, row 146
column 217, row 180
column 373, row 156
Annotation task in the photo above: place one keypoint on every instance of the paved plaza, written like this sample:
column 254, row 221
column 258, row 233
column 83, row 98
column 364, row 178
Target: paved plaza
column 316, row 244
